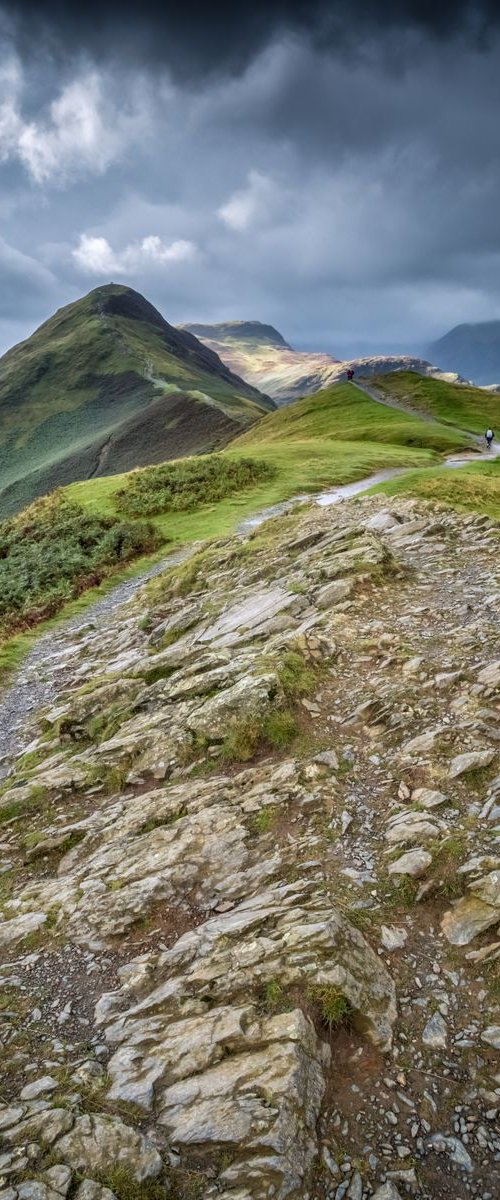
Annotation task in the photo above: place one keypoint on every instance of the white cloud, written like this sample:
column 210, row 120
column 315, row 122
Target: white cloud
column 252, row 205
column 95, row 256
column 85, row 131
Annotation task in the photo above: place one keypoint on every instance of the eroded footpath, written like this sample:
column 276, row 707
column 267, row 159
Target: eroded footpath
column 250, row 876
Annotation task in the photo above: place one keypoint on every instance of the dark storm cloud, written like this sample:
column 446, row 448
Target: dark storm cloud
column 198, row 38
column 333, row 169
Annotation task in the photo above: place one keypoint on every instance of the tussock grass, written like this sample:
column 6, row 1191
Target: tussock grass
column 334, row 1008
column 296, row 677
column 273, row 731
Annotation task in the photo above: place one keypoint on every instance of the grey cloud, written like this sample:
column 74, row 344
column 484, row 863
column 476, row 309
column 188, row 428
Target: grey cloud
column 199, row 38
column 22, row 274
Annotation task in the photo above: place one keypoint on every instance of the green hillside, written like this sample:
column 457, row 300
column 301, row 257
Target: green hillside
column 454, row 403
column 106, row 385
column 345, row 413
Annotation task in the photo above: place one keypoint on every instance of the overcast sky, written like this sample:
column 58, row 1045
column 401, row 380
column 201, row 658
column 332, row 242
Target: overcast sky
column 332, row 168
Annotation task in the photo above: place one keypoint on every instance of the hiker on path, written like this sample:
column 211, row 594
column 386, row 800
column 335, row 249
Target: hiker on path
column 489, row 435
column 350, row 375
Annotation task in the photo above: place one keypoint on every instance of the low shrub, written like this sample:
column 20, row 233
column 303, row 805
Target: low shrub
column 54, row 551
column 185, row 485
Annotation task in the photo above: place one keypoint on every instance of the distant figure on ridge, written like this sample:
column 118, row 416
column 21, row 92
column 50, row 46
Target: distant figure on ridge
column 350, row 375
column 489, row 435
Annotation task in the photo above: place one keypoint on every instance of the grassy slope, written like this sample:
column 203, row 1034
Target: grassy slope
column 471, row 489
column 345, row 413
column 456, row 404
column 92, row 367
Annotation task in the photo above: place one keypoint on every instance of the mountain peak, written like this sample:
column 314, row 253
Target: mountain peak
column 240, row 331
column 119, row 300
column 106, row 384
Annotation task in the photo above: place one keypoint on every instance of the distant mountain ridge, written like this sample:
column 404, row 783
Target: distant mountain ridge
column 247, row 331
column 105, row 385
column 260, row 354
column 472, row 349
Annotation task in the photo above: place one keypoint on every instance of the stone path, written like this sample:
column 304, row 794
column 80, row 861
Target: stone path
column 251, row 876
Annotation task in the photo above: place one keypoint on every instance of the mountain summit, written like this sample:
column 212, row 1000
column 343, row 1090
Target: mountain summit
column 106, row 384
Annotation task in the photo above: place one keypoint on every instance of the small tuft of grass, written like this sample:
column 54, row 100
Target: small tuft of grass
column 296, row 677
column 273, row 997
column 111, row 778
column 279, row 729
column 446, row 857
column 104, row 725
column 333, row 1007
column 263, row 821
column 276, row 730
column 125, row 1186
column 401, row 893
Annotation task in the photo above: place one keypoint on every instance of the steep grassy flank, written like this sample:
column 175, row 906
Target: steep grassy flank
column 105, row 385
column 347, row 414
column 471, row 489
column 54, row 551
column 453, row 403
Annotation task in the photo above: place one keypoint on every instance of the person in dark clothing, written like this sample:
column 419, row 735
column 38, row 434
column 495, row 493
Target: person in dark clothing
column 350, row 375
column 489, row 435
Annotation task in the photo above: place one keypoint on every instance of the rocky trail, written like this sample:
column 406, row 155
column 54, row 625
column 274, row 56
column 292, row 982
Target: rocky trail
column 250, row 874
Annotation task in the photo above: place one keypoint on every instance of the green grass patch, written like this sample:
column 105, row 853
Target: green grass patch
column 125, row 1186
column 474, row 488
column 447, row 855
column 401, row 892
column 264, row 820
